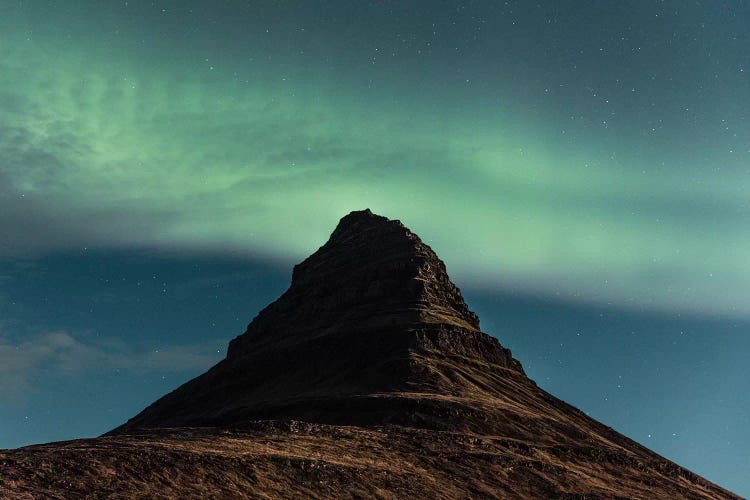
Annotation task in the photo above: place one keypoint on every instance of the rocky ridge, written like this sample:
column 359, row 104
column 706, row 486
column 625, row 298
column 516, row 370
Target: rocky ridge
column 369, row 317
column 368, row 377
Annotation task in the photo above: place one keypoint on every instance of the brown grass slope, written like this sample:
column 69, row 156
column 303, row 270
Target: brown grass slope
column 303, row 460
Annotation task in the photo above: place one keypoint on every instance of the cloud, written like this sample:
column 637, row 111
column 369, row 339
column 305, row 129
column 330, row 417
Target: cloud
column 58, row 353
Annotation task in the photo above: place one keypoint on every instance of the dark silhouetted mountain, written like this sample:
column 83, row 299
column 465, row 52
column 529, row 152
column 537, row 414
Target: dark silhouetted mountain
column 371, row 331
column 369, row 376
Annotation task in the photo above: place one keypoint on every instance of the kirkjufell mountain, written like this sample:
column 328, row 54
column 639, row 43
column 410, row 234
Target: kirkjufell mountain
column 371, row 331
column 368, row 377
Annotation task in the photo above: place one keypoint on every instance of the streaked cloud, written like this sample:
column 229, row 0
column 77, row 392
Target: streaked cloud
column 60, row 354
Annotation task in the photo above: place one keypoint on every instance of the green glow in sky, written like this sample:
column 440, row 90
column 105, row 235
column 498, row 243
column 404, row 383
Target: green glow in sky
column 131, row 142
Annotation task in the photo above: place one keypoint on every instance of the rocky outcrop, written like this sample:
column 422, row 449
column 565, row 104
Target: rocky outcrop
column 372, row 273
column 371, row 313
column 368, row 371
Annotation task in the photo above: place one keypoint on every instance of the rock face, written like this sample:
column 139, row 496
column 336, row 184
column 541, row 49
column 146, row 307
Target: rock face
column 369, row 318
column 368, row 377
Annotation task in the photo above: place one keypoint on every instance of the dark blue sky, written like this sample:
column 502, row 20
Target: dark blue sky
column 582, row 168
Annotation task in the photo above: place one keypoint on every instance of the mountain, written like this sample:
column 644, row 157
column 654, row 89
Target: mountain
column 371, row 331
column 369, row 376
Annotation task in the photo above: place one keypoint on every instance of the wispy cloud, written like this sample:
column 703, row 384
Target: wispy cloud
column 60, row 354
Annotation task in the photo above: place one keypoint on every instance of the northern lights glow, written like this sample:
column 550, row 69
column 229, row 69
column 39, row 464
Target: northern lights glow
column 156, row 145
column 588, row 152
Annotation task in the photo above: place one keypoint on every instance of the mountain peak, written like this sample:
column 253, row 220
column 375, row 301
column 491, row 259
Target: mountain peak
column 372, row 272
column 368, row 377
column 365, row 222
column 373, row 338
column 370, row 316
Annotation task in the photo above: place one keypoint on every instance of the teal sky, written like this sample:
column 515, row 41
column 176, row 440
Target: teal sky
column 592, row 153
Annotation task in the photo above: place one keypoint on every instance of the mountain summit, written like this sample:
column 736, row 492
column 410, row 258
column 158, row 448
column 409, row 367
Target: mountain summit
column 368, row 377
column 370, row 319
column 372, row 273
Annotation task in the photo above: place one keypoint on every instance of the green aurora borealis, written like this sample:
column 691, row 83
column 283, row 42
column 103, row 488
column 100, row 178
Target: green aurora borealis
column 582, row 167
column 125, row 128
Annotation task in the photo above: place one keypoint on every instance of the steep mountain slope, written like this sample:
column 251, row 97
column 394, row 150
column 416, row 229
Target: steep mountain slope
column 368, row 376
column 370, row 321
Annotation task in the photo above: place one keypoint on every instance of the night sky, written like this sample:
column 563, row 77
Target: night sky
column 582, row 167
